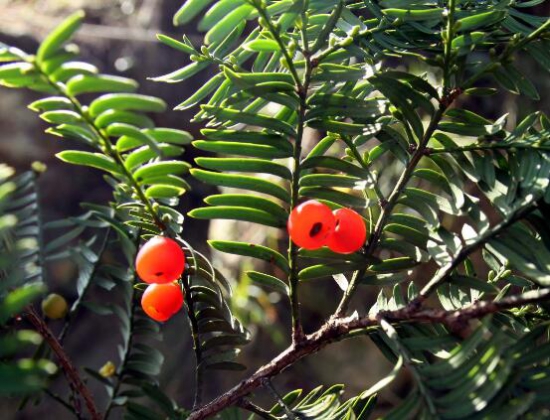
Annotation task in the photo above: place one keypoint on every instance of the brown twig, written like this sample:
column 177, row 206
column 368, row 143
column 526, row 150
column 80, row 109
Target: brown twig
column 70, row 371
column 337, row 329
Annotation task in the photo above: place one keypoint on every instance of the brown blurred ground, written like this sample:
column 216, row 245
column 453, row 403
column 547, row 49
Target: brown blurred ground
column 120, row 37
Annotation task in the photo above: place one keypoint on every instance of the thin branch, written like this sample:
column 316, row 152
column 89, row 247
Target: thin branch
column 71, row 314
column 390, row 205
column 190, row 306
column 401, row 350
column 475, row 311
column 448, row 50
column 341, row 328
column 106, row 146
column 449, row 96
column 282, row 45
column 70, row 371
column 495, row 146
column 297, row 331
column 303, row 28
column 355, row 151
column 533, row 36
column 125, row 357
column 259, row 411
column 346, row 42
column 302, row 87
column 467, row 250
column 61, row 401
column 510, row 49
column 288, row 411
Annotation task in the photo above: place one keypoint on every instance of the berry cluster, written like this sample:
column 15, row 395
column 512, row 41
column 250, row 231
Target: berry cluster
column 312, row 225
column 160, row 262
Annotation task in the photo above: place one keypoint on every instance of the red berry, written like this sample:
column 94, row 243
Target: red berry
column 350, row 233
column 162, row 301
column 160, row 260
column 310, row 224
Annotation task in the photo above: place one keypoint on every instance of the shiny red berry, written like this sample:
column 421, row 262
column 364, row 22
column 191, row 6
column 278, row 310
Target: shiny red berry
column 162, row 301
column 160, row 260
column 310, row 224
column 350, row 232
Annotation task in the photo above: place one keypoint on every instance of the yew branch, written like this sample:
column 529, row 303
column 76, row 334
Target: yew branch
column 337, row 329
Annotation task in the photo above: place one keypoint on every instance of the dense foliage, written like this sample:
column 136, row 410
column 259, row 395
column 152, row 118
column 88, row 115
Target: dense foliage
column 445, row 192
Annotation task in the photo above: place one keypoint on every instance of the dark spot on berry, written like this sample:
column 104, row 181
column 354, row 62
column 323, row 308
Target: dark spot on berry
column 315, row 229
column 160, row 273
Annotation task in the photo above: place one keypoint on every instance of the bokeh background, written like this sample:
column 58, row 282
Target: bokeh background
column 119, row 37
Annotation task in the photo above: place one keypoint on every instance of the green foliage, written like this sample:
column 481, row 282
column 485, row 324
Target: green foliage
column 124, row 143
column 324, row 403
column 97, row 232
column 379, row 119
column 289, row 74
column 499, row 369
column 140, row 162
column 429, row 178
column 20, row 283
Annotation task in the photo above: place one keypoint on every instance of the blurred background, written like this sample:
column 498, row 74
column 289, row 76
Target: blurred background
column 119, row 38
